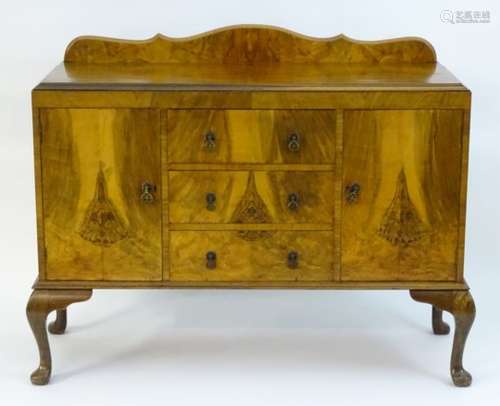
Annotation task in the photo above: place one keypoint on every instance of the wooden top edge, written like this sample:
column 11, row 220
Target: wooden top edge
column 331, row 285
column 405, row 87
column 249, row 44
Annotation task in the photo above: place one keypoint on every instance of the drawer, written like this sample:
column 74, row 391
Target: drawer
column 251, row 136
column 251, row 197
column 251, row 255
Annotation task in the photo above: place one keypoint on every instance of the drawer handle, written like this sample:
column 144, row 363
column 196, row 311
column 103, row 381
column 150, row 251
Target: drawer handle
column 293, row 201
column 352, row 192
column 294, row 142
column 147, row 192
column 211, row 260
column 293, row 259
column 209, row 142
column 211, row 199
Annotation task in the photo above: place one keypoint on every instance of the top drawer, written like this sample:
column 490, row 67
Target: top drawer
column 251, row 136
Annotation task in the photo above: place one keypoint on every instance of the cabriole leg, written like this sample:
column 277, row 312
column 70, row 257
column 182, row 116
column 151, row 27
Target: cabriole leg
column 439, row 326
column 40, row 304
column 58, row 326
column 461, row 305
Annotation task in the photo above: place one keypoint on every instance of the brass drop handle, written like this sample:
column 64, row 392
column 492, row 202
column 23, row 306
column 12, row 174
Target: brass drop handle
column 211, row 260
column 210, row 141
column 147, row 192
column 294, row 142
column 211, row 200
column 293, row 201
column 352, row 192
column 293, row 259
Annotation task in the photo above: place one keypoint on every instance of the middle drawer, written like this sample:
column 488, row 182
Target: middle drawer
column 251, row 197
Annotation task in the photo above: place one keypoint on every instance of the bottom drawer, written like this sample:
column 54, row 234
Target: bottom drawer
column 251, row 255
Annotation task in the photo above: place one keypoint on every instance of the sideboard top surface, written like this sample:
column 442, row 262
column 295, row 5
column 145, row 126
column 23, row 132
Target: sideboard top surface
column 253, row 58
column 249, row 77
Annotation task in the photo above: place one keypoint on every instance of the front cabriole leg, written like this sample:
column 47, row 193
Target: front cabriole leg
column 461, row 305
column 40, row 304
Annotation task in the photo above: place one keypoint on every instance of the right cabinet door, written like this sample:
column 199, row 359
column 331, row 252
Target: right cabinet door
column 401, row 201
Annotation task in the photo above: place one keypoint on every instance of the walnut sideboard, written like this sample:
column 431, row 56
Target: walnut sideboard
column 251, row 157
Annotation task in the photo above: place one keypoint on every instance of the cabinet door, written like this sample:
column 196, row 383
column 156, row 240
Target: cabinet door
column 402, row 173
column 99, row 225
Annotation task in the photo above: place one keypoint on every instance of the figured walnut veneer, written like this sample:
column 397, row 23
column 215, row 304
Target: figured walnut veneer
column 255, row 255
column 251, row 157
column 94, row 161
column 248, row 45
column 268, row 191
column 251, row 136
column 407, row 214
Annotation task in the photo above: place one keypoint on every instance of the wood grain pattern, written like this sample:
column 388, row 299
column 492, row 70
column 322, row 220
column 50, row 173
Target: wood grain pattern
column 337, row 193
column 251, row 157
column 404, row 226
column 250, row 136
column 398, row 85
column 165, row 195
column 250, row 167
column 287, row 76
column 262, row 259
column 463, row 194
column 37, row 156
column 96, row 226
column 188, row 191
column 384, row 97
column 248, row 45
column 250, row 226
column 292, row 285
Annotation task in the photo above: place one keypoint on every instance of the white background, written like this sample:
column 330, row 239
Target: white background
column 245, row 347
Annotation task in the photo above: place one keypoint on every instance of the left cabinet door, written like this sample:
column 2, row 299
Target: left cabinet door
column 101, row 194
